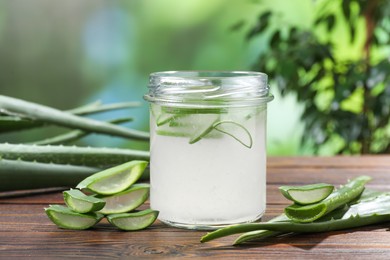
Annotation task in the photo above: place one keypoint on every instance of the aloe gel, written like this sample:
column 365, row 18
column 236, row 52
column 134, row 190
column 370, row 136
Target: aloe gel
column 208, row 141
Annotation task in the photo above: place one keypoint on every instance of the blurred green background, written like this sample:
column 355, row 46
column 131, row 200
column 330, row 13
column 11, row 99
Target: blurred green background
column 68, row 53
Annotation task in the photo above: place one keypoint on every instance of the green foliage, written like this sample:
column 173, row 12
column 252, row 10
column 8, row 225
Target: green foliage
column 346, row 99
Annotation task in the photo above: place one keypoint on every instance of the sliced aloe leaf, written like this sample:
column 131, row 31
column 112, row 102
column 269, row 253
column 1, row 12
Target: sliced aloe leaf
column 133, row 221
column 205, row 128
column 203, row 132
column 235, row 130
column 81, row 203
column 342, row 196
column 307, row 194
column 64, row 217
column 115, row 179
column 163, row 118
column 127, row 200
column 172, row 133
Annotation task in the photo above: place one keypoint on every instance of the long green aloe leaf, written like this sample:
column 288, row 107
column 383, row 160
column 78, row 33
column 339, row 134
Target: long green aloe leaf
column 99, row 108
column 14, row 123
column 364, row 213
column 74, row 135
column 261, row 234
column 367, row 195
column 21, row 175
column 342, row 196
column 89, row 156
column 58, row 117
column 315, row 227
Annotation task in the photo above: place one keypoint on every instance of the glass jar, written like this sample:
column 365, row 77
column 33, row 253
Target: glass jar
column 208, row 147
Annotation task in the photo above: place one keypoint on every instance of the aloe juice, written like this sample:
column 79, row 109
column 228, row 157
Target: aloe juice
column 217, row 180
column 208, row 147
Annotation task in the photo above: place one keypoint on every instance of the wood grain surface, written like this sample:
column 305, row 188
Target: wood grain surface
column 26, row 232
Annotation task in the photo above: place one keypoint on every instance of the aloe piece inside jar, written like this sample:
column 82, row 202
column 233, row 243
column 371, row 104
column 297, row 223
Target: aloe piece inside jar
column 198, row 124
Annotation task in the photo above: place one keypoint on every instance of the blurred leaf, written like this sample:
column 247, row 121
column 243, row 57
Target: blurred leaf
column 237, row 26
column 275, row 38
column 331, row 21
column 260, row 26
column 346, row 8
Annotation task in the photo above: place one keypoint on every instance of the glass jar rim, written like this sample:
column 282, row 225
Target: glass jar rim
column 203, row 74
column 208, row 88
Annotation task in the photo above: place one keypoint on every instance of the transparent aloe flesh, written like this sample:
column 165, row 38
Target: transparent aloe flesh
column 307, row 194
column 65, row 218
column 133, row 221
column 79, row 202
column 115, row 179
column 126, row 200
column 208, row 165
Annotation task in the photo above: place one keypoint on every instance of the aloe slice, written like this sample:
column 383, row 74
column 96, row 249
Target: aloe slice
column 307, row 194
column 64, row 217
column 81, row 203
column 235, row 130
column 133, row 221
column 204, row 129
column 127, row 200
column 115, row 179
column 344, row 195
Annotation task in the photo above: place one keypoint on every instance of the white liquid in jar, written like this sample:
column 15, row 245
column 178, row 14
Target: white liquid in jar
column 214, row 181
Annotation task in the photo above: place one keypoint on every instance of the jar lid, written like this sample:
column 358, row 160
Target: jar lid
column 208, row 88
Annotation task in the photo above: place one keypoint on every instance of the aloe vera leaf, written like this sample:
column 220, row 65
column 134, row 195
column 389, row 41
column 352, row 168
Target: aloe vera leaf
column 74, row 135
column 261, row 234
column 367, row 212
column 344, row 195
column 204, row 129
column 201, row 134
column 133, row 221
column 63, row 217
column 367, row 195
column 307, row 194
column 219, row 126
column 89, row 110
column 115, row 179
column 127, row 200
column 89, row 156
column 81, row 203
column 21, row 175
column 314, row 227
column 370, row 211
column 58, row 117
column 16, row 123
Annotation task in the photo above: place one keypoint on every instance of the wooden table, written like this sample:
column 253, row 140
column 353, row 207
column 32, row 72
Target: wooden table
column 25, row 231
